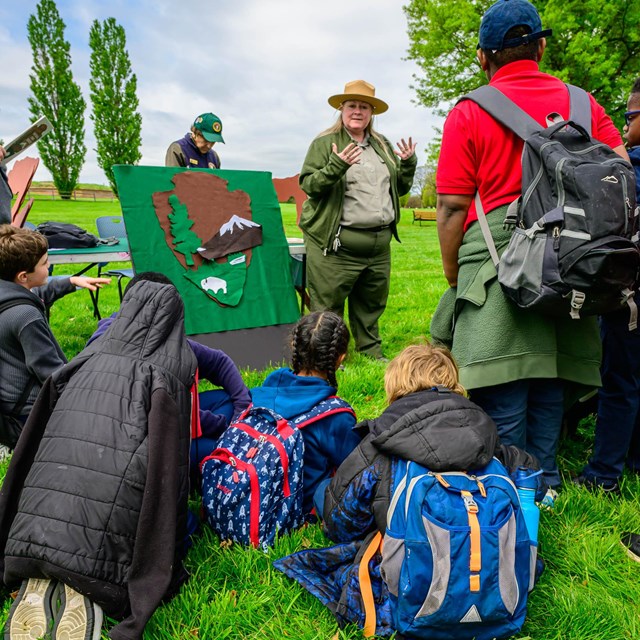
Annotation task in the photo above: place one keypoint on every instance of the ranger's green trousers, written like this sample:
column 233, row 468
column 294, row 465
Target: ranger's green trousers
column 358, row 272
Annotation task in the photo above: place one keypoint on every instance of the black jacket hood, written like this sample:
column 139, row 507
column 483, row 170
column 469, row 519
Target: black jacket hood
column 438, row 429
column 149, row 327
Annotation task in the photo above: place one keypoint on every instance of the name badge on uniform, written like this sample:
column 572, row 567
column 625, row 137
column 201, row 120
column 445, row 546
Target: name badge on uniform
column 192, row 161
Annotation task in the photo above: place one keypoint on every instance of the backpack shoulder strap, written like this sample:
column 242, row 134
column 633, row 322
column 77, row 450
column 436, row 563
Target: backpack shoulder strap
column 486, row 232
column 580, row 107
column 507, row 112
column 324, row 408
column 504, row 110
column 373, row 545
column 15, row 302
column 24, row 396
column 22, row 400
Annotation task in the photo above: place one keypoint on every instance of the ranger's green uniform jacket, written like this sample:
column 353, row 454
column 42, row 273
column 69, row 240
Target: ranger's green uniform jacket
column 323, row 179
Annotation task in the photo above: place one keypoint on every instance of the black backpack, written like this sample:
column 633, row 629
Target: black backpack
column 574, row 245
column 10, row 425
column 63, row 235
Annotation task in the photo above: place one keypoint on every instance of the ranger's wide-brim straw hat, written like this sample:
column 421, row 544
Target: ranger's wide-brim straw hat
column 359, row 90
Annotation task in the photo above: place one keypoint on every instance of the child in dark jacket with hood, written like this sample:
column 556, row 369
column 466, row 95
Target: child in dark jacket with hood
column 319, row 344
column 429, row 421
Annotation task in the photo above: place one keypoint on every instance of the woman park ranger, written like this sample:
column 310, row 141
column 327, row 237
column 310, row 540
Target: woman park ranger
column 354, row 179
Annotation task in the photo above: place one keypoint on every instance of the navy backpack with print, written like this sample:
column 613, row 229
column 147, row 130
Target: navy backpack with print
column 252, row 481
column 457, row 559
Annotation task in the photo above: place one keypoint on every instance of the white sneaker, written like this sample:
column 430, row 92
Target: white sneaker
column 78, row 618
column 31, row 614
column 5, row 452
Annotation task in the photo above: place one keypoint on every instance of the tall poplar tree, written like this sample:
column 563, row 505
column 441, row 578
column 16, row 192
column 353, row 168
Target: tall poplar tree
column 117, row 123
column 57, row 96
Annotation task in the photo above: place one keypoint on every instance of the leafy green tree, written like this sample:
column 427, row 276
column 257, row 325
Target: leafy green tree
column 595, row 45
column 117, row 123
column 424, row 181
column 428, row 194
column 56, row 96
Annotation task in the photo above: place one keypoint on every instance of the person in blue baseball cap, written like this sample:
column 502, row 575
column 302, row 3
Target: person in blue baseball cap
column 195, row 149
column 517, row 365
column 505, row 15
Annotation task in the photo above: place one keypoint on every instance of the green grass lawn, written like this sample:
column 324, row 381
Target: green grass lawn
column 589, row 591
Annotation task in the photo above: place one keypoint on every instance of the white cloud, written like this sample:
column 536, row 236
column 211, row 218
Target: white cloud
column 265, row 67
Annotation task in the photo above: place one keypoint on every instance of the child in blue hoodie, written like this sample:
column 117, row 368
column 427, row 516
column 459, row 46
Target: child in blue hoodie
column 319, row 345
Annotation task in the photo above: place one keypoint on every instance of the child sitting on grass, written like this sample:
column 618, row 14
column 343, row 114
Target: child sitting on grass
column 29, row 352
column 93, row 508
column 218, row 406
column 429, row 421
column 319, row 344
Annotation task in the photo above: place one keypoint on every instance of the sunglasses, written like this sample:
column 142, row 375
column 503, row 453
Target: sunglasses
column 629, row 115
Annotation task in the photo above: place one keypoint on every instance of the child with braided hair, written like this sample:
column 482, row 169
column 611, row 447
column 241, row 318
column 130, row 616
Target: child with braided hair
column 318, row 346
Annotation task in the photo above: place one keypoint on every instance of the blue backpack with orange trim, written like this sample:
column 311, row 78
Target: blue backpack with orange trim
column 252, row 481
column 457, row 558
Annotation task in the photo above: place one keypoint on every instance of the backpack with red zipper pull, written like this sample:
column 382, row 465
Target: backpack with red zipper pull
column 252, row 482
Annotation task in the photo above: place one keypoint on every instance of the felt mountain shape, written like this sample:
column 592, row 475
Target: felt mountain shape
column 237, row 234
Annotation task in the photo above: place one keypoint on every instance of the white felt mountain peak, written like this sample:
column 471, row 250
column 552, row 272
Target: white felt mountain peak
column 236, row 222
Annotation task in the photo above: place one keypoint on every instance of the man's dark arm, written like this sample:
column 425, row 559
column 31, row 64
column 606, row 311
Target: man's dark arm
column 451, row 212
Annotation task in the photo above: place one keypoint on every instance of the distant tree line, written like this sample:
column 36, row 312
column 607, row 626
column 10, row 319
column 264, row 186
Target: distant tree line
column 54, row 94
column 594, row 45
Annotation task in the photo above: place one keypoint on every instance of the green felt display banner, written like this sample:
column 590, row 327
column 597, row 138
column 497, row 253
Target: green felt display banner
column 218, row 235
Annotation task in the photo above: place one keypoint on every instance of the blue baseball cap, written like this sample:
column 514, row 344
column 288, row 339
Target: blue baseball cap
column 502, row 16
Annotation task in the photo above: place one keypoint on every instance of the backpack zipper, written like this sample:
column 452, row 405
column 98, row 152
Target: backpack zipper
column 625, row 194
column 527, row 195
column 534, row 183
column 272, row 440
column 225, row 455
column 559, row 182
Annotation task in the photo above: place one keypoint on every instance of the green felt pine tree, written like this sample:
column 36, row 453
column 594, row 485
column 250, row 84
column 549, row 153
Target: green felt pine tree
column 185, row 241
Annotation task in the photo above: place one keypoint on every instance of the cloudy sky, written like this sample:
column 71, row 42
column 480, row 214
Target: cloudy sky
column 265, row 67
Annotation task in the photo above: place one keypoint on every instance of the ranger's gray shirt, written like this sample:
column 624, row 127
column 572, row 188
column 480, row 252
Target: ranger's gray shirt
column 367, row 199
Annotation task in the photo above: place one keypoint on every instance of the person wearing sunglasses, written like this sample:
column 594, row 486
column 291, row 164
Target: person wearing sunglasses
column 617, row 432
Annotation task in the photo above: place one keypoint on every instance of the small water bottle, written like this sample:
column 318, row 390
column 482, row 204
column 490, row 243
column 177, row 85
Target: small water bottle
column 526, row 482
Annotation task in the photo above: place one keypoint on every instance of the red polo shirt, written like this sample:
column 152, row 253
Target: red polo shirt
column 478, row 153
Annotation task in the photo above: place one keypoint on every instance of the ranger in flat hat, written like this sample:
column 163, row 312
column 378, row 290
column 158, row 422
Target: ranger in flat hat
column 354, row 180
column 196, row 148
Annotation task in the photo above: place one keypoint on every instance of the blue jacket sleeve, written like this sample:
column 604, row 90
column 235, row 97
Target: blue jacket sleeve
column 348, row 515
column 356, row 497
column 340, row 439
column 212, row 424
